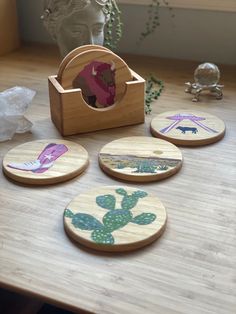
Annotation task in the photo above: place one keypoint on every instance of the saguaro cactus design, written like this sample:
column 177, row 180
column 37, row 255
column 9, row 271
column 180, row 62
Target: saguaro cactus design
column 114, row 219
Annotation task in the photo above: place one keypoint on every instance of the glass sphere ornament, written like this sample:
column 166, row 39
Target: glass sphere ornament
column 207, row 74
column 206, row 77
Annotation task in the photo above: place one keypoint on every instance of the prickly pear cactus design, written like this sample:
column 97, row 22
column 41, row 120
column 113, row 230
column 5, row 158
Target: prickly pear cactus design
column 114, row 219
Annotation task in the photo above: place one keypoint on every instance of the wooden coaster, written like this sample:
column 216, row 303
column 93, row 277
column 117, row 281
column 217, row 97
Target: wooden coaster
column 45, row 162
column 188, row 127
column 97, row 72
column 115, row 218
column 74, row 53
column 140, row 159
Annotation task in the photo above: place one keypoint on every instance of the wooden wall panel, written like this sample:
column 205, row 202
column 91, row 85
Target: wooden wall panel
column 9, row 36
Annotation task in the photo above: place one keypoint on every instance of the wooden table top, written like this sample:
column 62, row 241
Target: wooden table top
column 190, row 269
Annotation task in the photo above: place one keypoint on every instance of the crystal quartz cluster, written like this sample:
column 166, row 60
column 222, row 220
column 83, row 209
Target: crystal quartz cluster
column 13, row 104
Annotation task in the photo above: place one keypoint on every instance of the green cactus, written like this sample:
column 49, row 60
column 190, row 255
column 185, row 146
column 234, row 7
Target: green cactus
column 146, row 166
column 114, row 219
column 140, row 194
column 142, row 166
column 106, row 201
column 121, row 191
column 120, row 166
column 144, row 219
column 68, row 213
column 163, row 167
column 85, row 222
column 130, row 201
column 102, row 236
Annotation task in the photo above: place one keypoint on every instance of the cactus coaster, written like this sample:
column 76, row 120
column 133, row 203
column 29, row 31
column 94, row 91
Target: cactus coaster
column 45, row 161
column 140, row 159
column 115, row 218
column 188, row 127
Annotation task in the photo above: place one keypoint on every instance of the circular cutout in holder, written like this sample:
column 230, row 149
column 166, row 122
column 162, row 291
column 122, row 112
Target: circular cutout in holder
column 45, row 161
column 140, row 159
column 100, row 74
column 115, row 218
column 188, row 127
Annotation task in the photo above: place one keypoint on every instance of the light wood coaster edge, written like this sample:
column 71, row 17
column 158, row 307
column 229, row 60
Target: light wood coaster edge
column 143, row 178
column 186, row 142
column 46, row 181
column 115, row 247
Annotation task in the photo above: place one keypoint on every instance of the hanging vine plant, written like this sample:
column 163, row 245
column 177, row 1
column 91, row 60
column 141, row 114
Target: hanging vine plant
column 114, row 25
column 113, row 34
column 154, row 87
column 153, row 19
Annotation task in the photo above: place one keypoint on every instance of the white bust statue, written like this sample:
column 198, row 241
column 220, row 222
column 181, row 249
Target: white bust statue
column 73, row 23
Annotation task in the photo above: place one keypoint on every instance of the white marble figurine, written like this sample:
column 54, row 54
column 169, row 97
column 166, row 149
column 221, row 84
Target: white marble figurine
column 73, row 23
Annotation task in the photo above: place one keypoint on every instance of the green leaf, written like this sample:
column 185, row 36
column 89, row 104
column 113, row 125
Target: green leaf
column 144, row 219
column 86, row 222
column 106, row 201
column 102, row 236
column 68, row 213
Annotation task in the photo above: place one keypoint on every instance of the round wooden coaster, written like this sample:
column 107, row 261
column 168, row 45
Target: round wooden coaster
column 73, row 54
column 115, row 218
column 140, row 159
column 100, row 74
column 45, row 161
column 188, row 127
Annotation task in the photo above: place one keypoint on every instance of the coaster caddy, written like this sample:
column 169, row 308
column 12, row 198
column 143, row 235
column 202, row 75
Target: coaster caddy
column 72, row 114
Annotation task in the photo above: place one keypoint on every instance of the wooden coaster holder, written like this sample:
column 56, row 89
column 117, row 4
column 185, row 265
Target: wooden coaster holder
column 71, row 114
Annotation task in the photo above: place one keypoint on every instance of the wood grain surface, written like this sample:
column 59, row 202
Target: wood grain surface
column 189, row 269
column 115, row 218
column 140, row 159
column 58, row 161
column 188, row 127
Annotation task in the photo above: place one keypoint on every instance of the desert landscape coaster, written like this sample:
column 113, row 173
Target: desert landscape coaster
column 188, row 127
column 115, row 218
column 140, row 159
column 45, row 161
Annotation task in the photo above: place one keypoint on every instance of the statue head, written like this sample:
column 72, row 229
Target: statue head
column 73, row 23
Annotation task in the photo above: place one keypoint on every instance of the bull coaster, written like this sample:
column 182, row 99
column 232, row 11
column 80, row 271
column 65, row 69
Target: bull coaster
column 115, row 218
column 100, row 74
column 188, row 127
column 140, row 159
column 45, row 162
column 95, row 89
